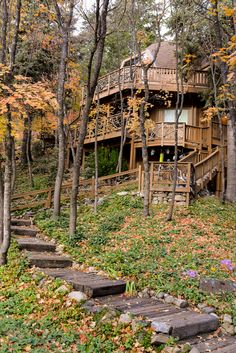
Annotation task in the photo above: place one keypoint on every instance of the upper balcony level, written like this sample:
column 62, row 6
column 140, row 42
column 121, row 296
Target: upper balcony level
column 158, row 79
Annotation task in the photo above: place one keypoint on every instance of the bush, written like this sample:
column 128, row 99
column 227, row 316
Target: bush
column 107, row 162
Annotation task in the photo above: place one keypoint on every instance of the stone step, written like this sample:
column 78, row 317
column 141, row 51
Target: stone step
column 165, row 318
column 21, row 222
column 48, row 260
column 34, row 244
column 24, row 231
column 91, row 284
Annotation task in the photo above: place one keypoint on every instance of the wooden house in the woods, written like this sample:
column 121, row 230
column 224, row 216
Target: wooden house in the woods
column 198, row 140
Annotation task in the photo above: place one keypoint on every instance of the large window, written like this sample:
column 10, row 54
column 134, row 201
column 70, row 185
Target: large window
column 169, row 116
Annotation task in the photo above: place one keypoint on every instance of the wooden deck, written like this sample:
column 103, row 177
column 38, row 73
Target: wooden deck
column 158, row 79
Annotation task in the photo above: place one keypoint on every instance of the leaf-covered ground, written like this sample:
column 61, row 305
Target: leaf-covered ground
column 35, row 318
column 165, row 256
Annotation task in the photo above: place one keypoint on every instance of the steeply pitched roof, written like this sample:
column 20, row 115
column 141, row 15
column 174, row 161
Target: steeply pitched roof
column 166, row 55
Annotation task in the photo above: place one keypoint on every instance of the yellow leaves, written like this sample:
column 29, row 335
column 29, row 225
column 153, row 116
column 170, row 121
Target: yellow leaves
column 228, row 11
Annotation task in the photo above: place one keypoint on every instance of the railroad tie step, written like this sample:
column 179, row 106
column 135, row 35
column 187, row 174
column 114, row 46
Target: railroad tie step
column 48, row 260
column 21, row 222
column 223, row 344
column 34, row 244
column 91, row 284
column 24, row 231
column 165, row 318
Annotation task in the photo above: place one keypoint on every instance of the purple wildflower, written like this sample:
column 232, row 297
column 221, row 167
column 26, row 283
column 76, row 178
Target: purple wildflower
column 228, row 264
column 191, row 273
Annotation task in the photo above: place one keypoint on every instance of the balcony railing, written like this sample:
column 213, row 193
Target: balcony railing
column 157, row 77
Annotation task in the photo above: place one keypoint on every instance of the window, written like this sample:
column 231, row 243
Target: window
column 169, row 116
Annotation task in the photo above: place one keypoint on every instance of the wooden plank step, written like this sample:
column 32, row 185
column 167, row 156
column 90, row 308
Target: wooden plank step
column 91, row 284
column 21, row 222
column 34, row 244
column 48, row 260
column 223, row 344
column 185, row 324
column 24, row 231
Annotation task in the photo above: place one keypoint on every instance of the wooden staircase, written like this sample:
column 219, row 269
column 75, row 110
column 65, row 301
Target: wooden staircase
column 164, row 318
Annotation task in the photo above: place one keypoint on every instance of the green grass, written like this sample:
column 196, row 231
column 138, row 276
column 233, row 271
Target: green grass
column 152, row 252
column 35, row 318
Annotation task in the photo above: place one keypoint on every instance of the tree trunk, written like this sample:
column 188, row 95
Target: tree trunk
column 26, row 141
column 96, row 155
column 7, row 196
column 1, row 204
column 4, row 32
column 28, row 154
column 65, row 30
column 13, row 179
column 94, row 66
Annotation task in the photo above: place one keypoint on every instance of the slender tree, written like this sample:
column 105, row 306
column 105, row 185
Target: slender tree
column 93, row 69
column 64, row 20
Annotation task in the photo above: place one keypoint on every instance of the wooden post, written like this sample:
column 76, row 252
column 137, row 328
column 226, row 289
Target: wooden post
column 131, row 158
column 151, row 182
column 139, row 177
column 209, row 138
column 49, row 198
column 93, row 186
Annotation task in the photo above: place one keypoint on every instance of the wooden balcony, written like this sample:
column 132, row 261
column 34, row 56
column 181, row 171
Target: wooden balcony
column 158, row 79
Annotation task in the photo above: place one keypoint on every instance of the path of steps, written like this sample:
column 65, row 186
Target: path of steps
column 165, row 318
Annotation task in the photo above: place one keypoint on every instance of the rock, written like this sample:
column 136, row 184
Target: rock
column 152, row 293
column 228, row 328
column 227, row 318
column 125, row 318
column 180, row 198
column 62, row 289
column 101, row 200
column 109, row 315
column 169, row 299
column 208, row 310
column 159, row 338
column 180, row 303
column 194, row 350
column 160, row 295
column 213, row 285
column 91, row 269
column 186, row 348
column 78, row 296
column 161, row 327
column 144, row 293
column 122, row 193
column 202, row 306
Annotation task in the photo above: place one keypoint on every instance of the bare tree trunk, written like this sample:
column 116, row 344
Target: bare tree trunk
column 1, row 203
column 26, row 141
column 94, row 65
column 4, row 32
column 178, row 111
column 28, row 154
column 13, row 180
column 122, row 136
column 231, row 128
column 96, row 154
column 7, row 195
column 65, row 29
column 8, row 144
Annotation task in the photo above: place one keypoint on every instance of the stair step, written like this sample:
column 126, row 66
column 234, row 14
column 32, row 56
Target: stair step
column 185, row 324
column 223, row 344
column 91, row 284
column 48, row 260
column 34, row 244
column 24, row 231
column 21, row 222
column 165, row 318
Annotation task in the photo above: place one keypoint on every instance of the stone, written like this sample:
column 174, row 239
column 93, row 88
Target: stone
column 228, row 328
column 78, row 296
column 213, row 285
column 180, row 198
column 126, row 318
column 161, row 327
column 159, row 338
column 201, row 306
column 208, row 310
column 160, row 295
column 62, row 289
column 152, row 293
column 109, row 315
column 169, row 299
column 186, row 348
column 181, row 303
column 227, row 318
column 194, row 350
column 122, row 193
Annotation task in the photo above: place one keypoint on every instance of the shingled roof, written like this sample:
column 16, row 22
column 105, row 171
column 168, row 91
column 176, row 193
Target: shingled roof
column 166, row 55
